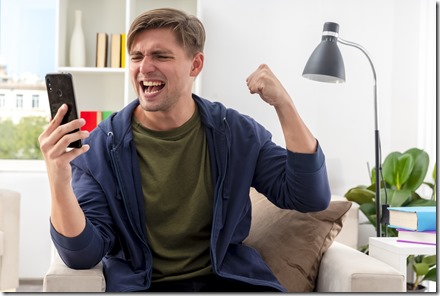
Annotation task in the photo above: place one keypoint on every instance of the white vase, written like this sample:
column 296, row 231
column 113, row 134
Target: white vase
column 77, row 43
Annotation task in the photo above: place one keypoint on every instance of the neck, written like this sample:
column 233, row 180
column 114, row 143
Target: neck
column 165, row 120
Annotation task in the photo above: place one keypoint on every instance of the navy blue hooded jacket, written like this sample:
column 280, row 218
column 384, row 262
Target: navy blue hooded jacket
column 107, row 183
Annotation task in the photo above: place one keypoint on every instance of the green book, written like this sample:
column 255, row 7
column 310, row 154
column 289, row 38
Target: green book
column 106, row 114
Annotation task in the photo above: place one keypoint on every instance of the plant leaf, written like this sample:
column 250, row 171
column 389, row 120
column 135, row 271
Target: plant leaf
column 373, row 175
column 398, row 198
column 421, row 268
column 404, row 167
column 431, row 260
column 389, row 167
column 419, row 171
column 422, row 203
column 369, row 210
column 397, row 168
column 360, row 195
column 431, row 275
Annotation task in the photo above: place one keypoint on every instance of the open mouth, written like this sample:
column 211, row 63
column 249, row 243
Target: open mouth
column 151, row 87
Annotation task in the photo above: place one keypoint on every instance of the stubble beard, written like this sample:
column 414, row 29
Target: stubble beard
column 161, row 106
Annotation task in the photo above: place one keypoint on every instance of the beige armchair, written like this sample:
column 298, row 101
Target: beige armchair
column 330, row 266
column 9, row 239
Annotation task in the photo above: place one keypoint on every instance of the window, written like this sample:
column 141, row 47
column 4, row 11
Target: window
column 2, row 100
column 35, row 101
column 27, row 48
column 19, row 101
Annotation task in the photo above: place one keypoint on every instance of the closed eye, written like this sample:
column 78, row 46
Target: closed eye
column 136, row 57
column 162, row 56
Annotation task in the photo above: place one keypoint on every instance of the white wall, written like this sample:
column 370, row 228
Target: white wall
column 283, row 33
column 30, row 180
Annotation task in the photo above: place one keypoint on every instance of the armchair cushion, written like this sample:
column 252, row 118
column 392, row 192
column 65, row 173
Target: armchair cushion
column 61, row 278
column 2, row 235
column 9, row 237
column 293, row 243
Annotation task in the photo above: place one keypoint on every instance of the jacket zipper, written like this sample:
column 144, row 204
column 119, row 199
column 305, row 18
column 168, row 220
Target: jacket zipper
column 119, row 178
column 218, row 199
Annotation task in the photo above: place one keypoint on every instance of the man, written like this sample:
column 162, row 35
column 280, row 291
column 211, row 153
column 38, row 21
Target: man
column 160, row 190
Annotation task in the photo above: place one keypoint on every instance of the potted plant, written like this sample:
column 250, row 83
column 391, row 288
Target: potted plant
column 403, row 174
column 424, row 268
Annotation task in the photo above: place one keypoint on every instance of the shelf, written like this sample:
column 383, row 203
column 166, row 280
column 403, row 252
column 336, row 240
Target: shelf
column 102, row 88
column 391, row 244
column 91, row 70
column 394, row 253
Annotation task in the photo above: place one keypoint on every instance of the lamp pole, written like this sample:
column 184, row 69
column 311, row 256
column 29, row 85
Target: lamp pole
column 376, row 137
column 326, row 65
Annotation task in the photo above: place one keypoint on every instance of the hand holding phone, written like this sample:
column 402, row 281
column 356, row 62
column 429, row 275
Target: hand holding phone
column 60, row 91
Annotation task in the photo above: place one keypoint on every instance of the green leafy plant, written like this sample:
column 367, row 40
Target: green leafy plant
column 424, row 268
column 403, row 175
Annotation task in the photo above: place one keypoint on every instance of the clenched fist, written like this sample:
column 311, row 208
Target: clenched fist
column 263, row 82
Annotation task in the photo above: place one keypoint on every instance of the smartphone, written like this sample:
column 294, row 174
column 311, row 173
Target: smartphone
column 60, row 91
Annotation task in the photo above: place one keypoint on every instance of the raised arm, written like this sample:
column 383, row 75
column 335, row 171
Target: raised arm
column 66, row 215
column 296, row 134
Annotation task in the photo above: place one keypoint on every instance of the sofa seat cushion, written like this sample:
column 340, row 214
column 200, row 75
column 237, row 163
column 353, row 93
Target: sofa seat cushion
column 293, row 243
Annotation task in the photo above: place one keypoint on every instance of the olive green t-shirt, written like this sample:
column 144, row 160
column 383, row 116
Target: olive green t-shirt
column 178, row 195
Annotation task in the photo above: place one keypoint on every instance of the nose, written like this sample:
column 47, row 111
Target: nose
column 146, row 65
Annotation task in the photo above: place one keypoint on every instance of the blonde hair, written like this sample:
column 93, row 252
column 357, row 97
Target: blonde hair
column 188, row 29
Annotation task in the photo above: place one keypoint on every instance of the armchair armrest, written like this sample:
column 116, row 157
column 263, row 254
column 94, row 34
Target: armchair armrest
column 344, row 269
column 60, row 278
column 9, row 239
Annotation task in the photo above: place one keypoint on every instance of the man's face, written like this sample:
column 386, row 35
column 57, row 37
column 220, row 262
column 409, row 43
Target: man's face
column 160, row 70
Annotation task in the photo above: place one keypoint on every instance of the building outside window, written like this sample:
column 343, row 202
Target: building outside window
column 27, row 48
column 35, row 101
column 2, row 100
column 19, row 101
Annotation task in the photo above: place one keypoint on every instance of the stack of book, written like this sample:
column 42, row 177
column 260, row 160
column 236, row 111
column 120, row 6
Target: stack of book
column 415, row 224
column 93, row 118
column 110, row 50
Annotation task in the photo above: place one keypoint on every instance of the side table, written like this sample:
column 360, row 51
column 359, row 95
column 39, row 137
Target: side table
column 394, row 253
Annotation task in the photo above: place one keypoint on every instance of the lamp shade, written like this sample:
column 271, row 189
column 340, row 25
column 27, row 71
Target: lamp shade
column 326, row 63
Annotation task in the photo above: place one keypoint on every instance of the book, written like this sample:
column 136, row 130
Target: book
column 101, row 50
column 123, row 49
column 413, row 218
column 92, row 118
column 106, row 114
column 115, row 51
column 428, row 237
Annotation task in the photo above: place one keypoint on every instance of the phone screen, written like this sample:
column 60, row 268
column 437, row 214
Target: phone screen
column 60, row 91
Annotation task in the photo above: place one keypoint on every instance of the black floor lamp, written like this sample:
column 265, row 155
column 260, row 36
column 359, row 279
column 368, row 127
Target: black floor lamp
column 326, row 65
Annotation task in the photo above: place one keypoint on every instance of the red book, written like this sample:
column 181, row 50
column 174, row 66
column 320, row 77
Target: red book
column 92, row 118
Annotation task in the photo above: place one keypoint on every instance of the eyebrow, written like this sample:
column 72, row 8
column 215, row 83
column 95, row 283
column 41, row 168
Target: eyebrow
column 153, row 52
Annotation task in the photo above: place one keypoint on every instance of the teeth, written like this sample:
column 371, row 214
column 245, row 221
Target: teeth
column 151, row 87
column 152, row 83
column 151, row 92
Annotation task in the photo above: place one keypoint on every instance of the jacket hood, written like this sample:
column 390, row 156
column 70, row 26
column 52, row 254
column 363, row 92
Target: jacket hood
column 211, row 114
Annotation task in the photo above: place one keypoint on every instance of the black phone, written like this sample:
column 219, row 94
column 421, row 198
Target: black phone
column 60, row 91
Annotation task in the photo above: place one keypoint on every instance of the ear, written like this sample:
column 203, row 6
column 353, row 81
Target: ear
column 197, row 64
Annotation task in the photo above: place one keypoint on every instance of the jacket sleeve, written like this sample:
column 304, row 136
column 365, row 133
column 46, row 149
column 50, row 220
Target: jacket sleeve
column 89, row 247
column 292, row 180
column 81, row 252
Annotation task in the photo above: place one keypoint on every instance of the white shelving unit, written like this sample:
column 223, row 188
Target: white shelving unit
column 394, row 253
column 102, row 89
